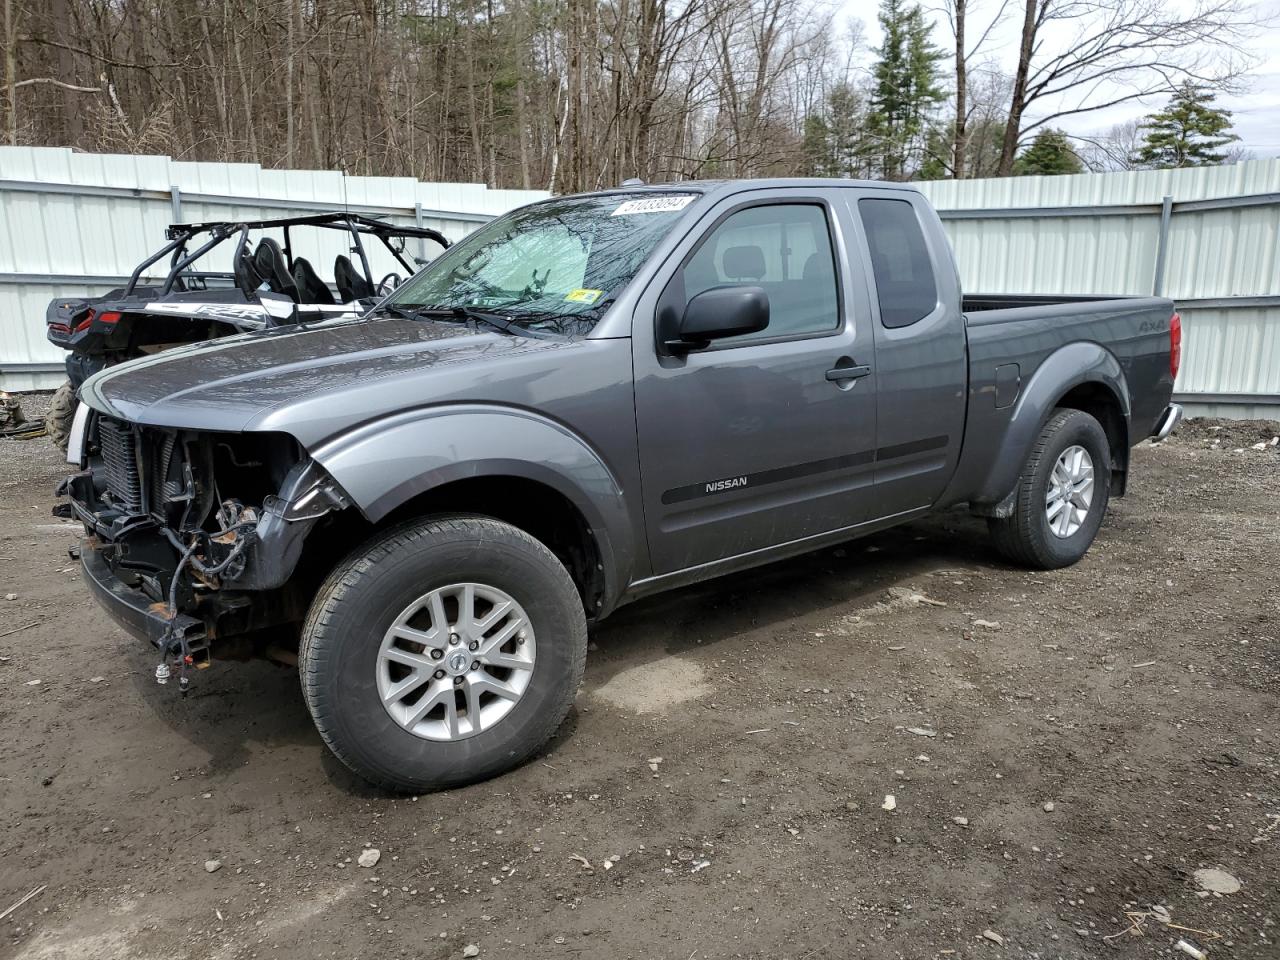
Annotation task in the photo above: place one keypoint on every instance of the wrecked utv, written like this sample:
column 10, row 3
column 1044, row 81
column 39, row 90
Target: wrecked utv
column 588, row 400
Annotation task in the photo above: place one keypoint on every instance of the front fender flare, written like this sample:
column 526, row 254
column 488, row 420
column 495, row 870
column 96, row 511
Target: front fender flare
column 1069, row 367
column 385, row 463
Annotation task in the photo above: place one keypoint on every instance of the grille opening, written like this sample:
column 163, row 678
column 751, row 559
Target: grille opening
column 144, row 470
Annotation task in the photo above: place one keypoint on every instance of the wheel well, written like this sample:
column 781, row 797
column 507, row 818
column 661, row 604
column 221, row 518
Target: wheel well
column 539, row 510
column 1101, row 403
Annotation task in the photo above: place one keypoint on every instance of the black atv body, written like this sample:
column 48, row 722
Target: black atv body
column 267, row 285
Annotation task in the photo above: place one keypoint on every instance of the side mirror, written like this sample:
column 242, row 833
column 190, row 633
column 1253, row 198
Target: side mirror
column 721, row 312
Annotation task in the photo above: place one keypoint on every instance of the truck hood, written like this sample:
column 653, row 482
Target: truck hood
column 252, row 380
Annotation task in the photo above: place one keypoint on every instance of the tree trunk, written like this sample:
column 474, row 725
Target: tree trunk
column 290, row 53
column 219, row 78
column 559, row 141
column 473, row 101
column 962, row 120
column 1018, row 102
column 73, row 118
column 11, row 71
column 186, row 109
column 246, row 96
column 522, row 116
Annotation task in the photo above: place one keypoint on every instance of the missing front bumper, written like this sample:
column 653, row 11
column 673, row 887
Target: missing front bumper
column 132, row 609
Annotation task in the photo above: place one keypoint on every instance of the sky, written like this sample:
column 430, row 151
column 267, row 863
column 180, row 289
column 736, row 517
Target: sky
column 1255, row 112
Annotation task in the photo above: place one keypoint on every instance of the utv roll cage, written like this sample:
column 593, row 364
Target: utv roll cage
column 180, row 235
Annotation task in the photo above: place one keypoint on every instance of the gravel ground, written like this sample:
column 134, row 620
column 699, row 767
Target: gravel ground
column 1062, row 748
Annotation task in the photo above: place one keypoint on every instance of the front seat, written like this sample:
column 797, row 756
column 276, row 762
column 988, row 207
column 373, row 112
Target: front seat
column 818, row 267
column 247, row 277
column 351, row 284
column 310, row 287
column 269, row 261
column 745, row 262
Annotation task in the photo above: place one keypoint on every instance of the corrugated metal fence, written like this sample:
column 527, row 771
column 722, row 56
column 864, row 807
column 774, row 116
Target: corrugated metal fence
column 73, row 224
column 1207, row 237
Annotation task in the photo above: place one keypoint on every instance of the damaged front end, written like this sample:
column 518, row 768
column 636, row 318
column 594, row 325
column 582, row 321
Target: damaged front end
column 192, row 537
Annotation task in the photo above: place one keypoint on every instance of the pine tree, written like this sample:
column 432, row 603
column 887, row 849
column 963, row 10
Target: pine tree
column 907, row 87
column 815, row 147
column 982, row 142
column 938, row 161
column 852, row 151
column 1189, row 132
column 1050, row 154
column 835, row 142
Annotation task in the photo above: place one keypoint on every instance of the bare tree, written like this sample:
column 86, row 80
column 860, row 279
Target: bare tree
column 989, row 91
column 574, row 94
column 11, row 69
column 959, row 11
column 1117, row 51
column 956, row 13
column 1113, row 149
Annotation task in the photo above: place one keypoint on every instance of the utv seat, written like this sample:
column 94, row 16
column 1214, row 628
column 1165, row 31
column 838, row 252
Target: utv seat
column 351, row 285
column 246, row 272
column 269, row 261
column 310, row 287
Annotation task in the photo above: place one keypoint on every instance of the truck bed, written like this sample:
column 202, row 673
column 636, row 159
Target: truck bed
column 1014, row 338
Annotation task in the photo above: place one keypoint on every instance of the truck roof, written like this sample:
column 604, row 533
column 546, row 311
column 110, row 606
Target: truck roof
column 728, row 187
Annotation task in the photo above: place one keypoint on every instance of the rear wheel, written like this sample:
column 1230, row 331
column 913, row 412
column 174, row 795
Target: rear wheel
column 443, row 652
column 1061, row 495
column 62, row 410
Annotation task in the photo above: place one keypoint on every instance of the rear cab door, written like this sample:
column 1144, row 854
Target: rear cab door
column 921, row 354
column 758, row 440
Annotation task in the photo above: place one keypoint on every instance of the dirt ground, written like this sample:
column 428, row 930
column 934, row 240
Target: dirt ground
column 1062, row 748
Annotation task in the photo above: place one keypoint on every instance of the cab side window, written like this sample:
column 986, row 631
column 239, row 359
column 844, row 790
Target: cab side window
column 900, row 261
column 784, row 249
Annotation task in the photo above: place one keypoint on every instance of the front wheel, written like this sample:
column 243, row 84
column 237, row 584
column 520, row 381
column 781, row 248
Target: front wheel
column 443, row 652
column 1061, row 496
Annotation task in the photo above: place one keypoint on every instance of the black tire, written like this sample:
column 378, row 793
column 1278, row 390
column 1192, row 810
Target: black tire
column 1025, row 536
column 359, row 601
column 62, row 410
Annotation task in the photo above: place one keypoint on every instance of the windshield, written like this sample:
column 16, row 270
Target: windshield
column 552, row 266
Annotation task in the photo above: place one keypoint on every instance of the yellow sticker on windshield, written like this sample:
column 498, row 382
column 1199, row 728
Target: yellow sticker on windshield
column 583, row 295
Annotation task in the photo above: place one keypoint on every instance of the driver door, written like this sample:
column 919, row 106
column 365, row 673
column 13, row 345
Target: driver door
column 767, row 438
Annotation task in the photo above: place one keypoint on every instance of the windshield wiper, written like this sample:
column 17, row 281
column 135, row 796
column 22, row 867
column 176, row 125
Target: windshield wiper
column 408, row 313
column 465, row 312
column 500, row 323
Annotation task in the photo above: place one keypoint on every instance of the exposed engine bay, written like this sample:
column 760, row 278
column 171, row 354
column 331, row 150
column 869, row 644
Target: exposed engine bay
column 191, row 522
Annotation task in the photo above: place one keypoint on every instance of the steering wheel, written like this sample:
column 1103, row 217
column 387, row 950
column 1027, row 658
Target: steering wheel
column 389, row 283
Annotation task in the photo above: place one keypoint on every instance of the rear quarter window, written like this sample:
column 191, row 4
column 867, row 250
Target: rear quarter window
column 905, row 285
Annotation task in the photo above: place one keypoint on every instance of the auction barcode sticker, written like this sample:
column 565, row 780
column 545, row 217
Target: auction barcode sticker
column 654, row 205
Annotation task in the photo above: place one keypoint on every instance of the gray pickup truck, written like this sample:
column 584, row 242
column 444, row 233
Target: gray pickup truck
column 589, row 400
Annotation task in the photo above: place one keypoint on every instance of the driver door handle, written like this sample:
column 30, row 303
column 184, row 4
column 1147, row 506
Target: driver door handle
column 840, row 374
